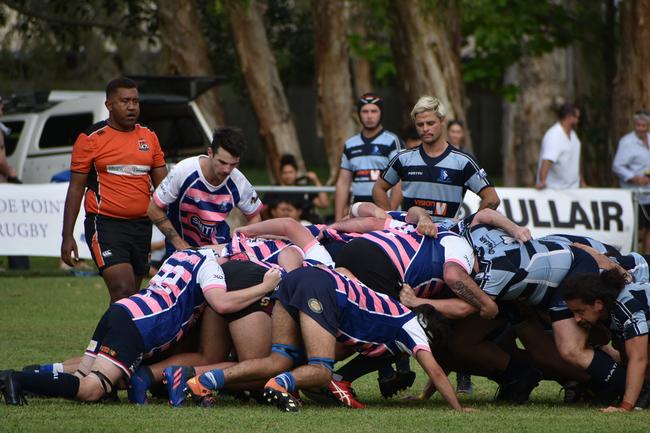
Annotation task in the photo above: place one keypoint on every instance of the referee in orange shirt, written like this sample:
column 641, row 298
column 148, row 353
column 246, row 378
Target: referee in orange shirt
column 114, row 163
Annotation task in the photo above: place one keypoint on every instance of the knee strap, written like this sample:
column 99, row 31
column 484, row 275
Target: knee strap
column 325, row 362
column 288, row 351
column 105, row 381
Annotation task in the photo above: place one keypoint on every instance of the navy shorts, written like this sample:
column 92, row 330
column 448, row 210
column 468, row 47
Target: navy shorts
column 312, row 291
column 113, row 241
column 117, row 340
column 241, row 274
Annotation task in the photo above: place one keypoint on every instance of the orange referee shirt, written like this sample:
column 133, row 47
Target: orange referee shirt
column 118, row 165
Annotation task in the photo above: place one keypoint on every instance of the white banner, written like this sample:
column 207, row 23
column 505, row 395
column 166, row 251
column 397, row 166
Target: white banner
column 31, row 216
column 600, row 213
column 31, row 219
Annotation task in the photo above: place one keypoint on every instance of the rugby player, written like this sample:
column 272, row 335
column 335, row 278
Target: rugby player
column 142, row 325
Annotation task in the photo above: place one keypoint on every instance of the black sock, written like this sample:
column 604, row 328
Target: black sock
column 403, row 364
column 362, row 365
column 512, row 372
column 50, row 384
column 604, row 369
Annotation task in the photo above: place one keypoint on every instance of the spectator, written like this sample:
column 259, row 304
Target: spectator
column 632, row 166
column 114, row 164
column 410, row 136
column 286, row 206
column 305, row 201
column 364, row 157
column 559, row 160
column 456, row 134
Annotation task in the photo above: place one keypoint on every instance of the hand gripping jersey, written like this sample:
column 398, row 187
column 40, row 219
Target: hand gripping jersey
column 420, row 259
column 198, row 209
column 118, row 165
column 435, row 184
column 173, row 300
column 372, row 323
column 630, row 314
column 366, row 158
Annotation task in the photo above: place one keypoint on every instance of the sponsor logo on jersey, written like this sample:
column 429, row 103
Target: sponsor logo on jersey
column 375, row 150
column 482, row 174
column 443, row 176
column 206, row 228
column 315, row 305
column 128, row 170
column 415, row 173
column 107, row 253
column 142, row 145
column 107, row 350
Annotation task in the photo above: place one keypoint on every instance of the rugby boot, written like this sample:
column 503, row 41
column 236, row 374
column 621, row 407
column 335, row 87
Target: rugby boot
column 464, row 383
column 277, row 395
column 174, row 378
column 138, row 385
column 11, row 389
column 197, row 393
column 518, row 391
column 399, row 381
column 342, row 391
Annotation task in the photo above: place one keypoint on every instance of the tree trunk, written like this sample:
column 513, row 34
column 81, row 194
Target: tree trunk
column 265, row 89
column 187, row 51
column 335, row 100
column 544, row 84
column 361, row 69
column 632, row 82
column 425, row 48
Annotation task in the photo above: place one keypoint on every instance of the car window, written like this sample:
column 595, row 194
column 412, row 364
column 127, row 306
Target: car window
column 11, row 140
column 63, row 130
column 178, row 130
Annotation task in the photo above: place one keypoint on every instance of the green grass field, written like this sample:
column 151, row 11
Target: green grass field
column 50, row 318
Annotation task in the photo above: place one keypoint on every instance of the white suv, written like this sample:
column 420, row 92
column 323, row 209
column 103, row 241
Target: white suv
column 40, row 143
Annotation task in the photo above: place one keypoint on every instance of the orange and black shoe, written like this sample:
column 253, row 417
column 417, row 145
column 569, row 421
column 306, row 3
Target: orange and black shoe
column 197, row 393
column 278, row 396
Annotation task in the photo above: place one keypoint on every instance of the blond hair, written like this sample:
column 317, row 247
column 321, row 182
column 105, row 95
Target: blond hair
column 429, row 103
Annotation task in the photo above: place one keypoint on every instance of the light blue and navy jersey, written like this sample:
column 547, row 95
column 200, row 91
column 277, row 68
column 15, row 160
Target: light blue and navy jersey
column 174, row 298
column 436, row 184
column 511, row 270
column 366, row 158
column 629, row 316
column 197, row 209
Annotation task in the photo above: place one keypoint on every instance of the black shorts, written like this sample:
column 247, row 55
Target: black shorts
column 644, row 215
column 117, row 340
column 371, row 265
column 241, row 274
column 312, row 291
column 113, row 241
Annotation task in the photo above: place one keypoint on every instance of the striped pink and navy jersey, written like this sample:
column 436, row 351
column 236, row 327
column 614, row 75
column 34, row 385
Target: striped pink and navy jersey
column 198, row 209
column 174, row 299
column 374, row 323
column 419, row 259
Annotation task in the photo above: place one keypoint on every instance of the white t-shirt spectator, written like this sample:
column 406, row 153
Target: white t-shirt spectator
column 564, row 151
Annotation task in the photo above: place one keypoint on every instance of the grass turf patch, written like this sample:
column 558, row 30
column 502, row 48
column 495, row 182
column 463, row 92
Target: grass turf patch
column 50, row 319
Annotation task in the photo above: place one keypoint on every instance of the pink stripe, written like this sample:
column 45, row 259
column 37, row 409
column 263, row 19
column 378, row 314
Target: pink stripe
column 388, row 250
column 419, row 347
column 165, row 296
column 461, row 263
column 207, row 216
column 159, row 202
column 152, row 304
column 173, row 287
column 209, row 197
column 221, row 287
column 414, row 243
column 264, row 250
column 387, row 223
column 135, row 310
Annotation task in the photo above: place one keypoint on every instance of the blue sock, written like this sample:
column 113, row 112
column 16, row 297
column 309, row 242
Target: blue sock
column 213, row 379
column 287, row 381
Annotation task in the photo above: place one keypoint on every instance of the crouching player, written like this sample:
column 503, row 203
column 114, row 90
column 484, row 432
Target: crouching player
column 135, row 327
column 321, row 307
column 606, row 298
